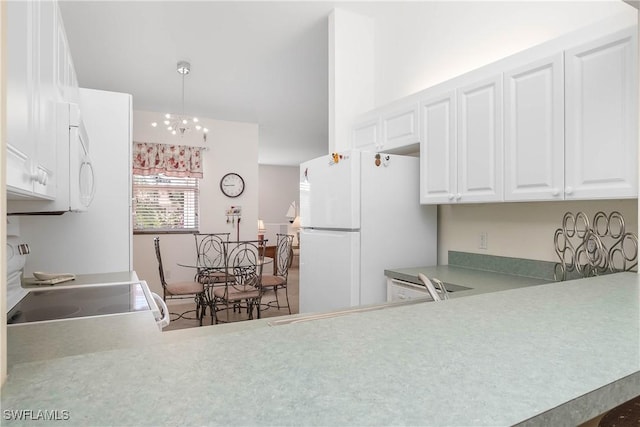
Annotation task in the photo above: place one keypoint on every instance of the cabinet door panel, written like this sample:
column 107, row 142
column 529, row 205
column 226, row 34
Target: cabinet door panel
column 46, row 148
column 365, row 134
column 438, row 149
column 20, row 90
column 400, row 127
column 601, row 114
column 480, row 141
column 534, row 131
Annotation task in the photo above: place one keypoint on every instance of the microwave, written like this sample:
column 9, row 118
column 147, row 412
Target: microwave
column 75, row 175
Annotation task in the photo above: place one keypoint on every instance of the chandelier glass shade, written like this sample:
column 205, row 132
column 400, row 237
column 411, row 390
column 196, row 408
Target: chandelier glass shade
column 180, row 123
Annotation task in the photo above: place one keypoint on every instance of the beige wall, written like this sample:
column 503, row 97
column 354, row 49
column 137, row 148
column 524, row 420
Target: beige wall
column 232, row 147
column 521, row 230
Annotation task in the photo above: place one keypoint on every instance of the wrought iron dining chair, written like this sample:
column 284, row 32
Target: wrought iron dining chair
column 242, row 285
column 210, row 261
column 282, row 261
column 181, row 290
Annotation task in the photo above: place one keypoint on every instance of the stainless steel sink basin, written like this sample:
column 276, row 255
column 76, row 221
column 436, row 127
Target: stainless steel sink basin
column 454, row 288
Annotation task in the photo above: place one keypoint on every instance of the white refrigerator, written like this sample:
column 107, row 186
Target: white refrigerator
column 360, row 214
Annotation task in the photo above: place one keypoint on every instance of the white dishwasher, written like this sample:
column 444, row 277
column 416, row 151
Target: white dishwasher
column 399, row 290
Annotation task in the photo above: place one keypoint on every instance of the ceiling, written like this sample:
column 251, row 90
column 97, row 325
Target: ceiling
column 263, row 62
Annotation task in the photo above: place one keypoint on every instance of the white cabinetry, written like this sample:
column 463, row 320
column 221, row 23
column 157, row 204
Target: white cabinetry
column 22, row 108
column 37, row 66
column 479, row 137
column 366, row 132
column 400, row 126
column 392, row 128
column 461, row 142
column 534, row 130
column 601, row 118
column 438, row 148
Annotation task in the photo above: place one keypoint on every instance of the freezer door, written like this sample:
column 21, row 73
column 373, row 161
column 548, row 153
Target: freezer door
column 330, row 192
column 329, row 270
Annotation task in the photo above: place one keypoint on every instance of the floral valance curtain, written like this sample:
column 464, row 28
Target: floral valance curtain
column 169, row 160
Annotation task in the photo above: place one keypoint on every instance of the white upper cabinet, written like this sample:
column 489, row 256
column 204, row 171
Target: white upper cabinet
column 534, row 130
column 39, row 77
column 46, row 147
column 438, row 157
column 366, row 132
column 601, row 118
column 479, row 139
column 391, row 128
column 400, row 126
column 461, row 141
column 21, row 93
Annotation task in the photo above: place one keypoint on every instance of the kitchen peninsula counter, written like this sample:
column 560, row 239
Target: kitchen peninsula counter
column 553, row 354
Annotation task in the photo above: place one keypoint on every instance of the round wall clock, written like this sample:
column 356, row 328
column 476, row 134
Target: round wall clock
column 232, row 185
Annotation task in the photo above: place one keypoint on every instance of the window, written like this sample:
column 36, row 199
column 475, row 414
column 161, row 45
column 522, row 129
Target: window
column 165, row 204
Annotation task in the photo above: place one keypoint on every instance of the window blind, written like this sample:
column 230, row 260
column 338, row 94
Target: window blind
column 165, row 204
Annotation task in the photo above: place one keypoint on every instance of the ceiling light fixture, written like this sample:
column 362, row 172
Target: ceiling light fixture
column 179, row 123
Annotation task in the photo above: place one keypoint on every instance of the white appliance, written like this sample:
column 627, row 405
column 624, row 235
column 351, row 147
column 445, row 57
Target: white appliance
column 100, row 239
column 70, row 301
column 75, row 175
column 360, row 214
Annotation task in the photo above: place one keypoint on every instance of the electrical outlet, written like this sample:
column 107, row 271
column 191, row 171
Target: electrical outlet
column 483, row 241
column 167, row 274
column 591, row 246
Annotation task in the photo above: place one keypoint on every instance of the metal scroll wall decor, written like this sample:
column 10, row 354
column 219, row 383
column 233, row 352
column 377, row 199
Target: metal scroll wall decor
column 592, row 249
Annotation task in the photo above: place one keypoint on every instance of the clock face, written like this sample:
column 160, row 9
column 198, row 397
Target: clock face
column 232, row 185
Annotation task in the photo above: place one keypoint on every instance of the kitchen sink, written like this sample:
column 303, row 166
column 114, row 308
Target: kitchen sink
column 454, row 288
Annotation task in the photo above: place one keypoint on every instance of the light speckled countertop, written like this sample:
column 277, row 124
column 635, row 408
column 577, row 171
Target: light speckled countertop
column 555, row 354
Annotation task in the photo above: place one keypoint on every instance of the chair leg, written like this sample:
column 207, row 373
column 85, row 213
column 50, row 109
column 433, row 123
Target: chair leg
column 275, row 291
column 286, row 294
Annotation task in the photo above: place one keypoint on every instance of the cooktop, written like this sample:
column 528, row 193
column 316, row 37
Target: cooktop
column 53, row 304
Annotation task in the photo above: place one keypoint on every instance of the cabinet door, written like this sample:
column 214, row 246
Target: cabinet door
column 46, row 149
column 480, row 141
column 438, row 149
column 21, row 107
column 400, row 127
column 366, row 133
column 534, row 131
column 601, row 154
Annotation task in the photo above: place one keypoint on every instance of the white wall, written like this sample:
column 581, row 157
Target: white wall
column 279, row 186
column 351, row 73
column 232, row 147
column 426, row 43
column 414, row 51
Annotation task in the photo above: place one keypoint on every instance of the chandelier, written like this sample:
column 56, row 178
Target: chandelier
column 179, row 123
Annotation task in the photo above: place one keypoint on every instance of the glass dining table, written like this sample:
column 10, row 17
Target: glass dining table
column 212, row 277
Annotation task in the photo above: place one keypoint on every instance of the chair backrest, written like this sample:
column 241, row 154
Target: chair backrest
column 244, row 261
column 430, row 288
column 284, row 252
column 156, row 244
column 210, row 249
